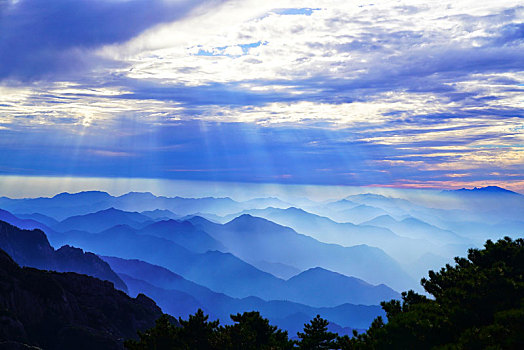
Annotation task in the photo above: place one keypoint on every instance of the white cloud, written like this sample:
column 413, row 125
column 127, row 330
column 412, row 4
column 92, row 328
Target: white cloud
column 376, row 66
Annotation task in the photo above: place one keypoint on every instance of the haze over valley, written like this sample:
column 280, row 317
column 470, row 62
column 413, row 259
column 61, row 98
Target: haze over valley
column 290, row 260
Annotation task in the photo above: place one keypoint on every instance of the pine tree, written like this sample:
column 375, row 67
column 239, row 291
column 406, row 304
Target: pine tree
column 252, row 332
column 316, row 335
column 197, row 333
column 477, row 304
column 163, row 336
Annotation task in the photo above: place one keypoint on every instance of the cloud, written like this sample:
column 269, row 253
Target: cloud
column 250, row 91
column 105, row 153
column 41, row 37
column 340, row 53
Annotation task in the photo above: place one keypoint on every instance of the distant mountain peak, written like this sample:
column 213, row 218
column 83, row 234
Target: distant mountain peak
column 157, row 211
column 247, row 219
column 244, row 218
column 139, row 194
column 487, row 189
column 113, row 210
column 263, row 199
column 110, row 210
column 322, row 275
column 367, row 196
column 197, row 218
column 381, row 219
column 119, row 229
column 82, row 193
column 292, row 209
column 319, row 269
column 363, row 206
column 345, row 200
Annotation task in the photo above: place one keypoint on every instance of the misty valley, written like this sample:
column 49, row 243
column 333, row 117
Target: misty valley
column 290, row 260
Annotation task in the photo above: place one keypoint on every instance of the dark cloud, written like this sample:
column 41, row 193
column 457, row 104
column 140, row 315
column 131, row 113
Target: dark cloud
column 41, row 37
column 223, row 94
column 511, row 34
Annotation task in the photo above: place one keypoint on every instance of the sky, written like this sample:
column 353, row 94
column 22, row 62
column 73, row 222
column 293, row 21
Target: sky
column 410, row 94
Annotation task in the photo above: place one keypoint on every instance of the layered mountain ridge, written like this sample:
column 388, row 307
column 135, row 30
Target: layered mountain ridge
column 31, row 248
column 288, row 259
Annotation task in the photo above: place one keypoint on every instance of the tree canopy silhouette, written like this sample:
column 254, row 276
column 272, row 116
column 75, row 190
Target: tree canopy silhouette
column 316, row 335
column 250, row 331
column 477, row 304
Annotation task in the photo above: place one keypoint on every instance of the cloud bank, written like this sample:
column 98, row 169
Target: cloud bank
column 395, row 93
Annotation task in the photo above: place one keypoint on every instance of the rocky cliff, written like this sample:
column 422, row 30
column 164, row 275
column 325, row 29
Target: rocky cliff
column 53, row 310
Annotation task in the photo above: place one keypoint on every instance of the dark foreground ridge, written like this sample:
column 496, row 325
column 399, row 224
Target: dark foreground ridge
column 53, row 310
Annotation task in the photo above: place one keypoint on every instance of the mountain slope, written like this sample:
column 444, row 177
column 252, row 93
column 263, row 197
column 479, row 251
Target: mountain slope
column 173, row 302
column 27, row 224
column 61, row 206
column 183, row 233
column 165, row 287
column 253, row 238
column 65, row 205
column 31, row 248
column 102, row 220
column 308, row 287
column 44, row 219
column 316, row 287
column 221, row 272
column 277, row 269
column 326, row 230
column 417, row 229
column 67, row 310
column 358, row 214
column 160, row 214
